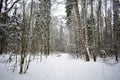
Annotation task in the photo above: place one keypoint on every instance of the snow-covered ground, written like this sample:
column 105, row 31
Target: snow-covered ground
column 63, row 67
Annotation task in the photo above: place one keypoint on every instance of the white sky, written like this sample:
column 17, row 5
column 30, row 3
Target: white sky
column 58, row 9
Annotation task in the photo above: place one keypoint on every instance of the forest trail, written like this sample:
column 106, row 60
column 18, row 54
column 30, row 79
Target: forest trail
column 64, row 67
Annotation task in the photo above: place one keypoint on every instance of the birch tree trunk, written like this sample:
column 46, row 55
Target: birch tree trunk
column 30, row 40
column 98, row 37
column 85, row 22
column 23, row 41
column 79, row 30
column 106, row 18
column 31, row 26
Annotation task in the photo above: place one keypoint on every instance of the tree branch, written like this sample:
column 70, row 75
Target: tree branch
column 9, row 8
column 3, row 31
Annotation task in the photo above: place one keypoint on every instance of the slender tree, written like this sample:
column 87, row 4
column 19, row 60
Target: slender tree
column 116, row 27
column 85, row 22
column 79, row 30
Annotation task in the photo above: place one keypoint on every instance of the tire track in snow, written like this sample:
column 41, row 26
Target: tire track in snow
column 59, row 70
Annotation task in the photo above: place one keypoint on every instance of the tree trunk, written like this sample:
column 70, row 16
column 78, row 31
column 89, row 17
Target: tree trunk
column 94, row 36
column 1, row 45
column 85, row 22
column 98, row 33
column 47, row 27
column 1, row 5
column 116, row 27
column 106, row 22
column 23, row 41
column 79, row 30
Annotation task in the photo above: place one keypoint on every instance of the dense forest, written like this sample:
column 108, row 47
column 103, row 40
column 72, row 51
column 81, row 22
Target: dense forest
column 89, row 28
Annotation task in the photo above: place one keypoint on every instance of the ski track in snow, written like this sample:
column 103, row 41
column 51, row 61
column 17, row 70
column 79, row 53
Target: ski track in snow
column 63, row 67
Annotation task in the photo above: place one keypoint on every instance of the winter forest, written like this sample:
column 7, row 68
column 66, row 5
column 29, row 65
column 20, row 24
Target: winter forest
column 59, row 39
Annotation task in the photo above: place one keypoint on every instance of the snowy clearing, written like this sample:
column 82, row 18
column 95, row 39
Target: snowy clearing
column 63, row 67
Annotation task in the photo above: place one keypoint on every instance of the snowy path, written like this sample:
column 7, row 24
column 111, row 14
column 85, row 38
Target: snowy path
column 64, row 68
